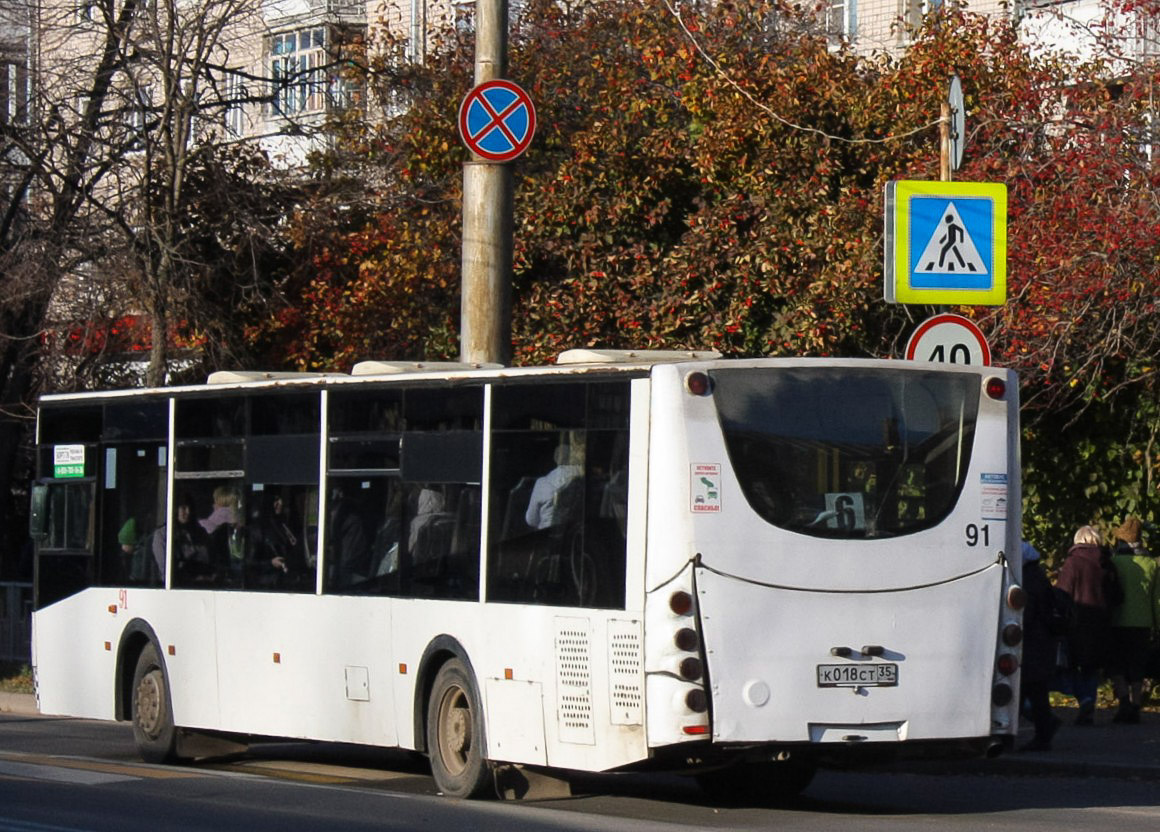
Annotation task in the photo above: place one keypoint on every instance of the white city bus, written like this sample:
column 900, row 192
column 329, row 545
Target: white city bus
column 738, row 568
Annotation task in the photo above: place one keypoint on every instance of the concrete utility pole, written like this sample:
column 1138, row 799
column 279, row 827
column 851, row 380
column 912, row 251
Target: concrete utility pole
column 485, row 316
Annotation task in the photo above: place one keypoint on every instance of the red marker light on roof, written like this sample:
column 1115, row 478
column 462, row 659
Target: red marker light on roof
column 995, row 387
column 698, row 384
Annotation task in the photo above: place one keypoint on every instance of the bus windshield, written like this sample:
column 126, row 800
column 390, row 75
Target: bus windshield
column 848, row 453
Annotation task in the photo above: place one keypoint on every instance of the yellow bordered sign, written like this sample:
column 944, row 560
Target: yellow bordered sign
column 946, row 243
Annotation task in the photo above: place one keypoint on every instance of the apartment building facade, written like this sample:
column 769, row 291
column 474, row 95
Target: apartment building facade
column 282, row 61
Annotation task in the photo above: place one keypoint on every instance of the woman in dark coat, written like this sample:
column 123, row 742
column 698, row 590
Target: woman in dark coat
column 1082, row 579
column 1039, row 646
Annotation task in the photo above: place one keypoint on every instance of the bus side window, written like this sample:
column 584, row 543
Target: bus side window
column 64, row 557
column 403, row 512
column 559, row 489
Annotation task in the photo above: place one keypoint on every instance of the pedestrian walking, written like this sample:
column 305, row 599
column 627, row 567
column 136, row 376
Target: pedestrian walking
column 1082, row 579
column 1039, row 648
column 1132, row 621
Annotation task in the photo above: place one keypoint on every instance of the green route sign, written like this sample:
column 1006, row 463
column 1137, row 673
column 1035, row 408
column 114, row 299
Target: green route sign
column 68, row 461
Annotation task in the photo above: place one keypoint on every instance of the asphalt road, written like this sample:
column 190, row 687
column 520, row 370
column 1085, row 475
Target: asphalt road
column 63, row 775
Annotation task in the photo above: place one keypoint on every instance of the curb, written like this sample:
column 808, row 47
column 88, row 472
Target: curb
column 18, row 703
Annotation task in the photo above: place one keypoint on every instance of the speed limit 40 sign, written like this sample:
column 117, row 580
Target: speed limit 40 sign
column 949, row 339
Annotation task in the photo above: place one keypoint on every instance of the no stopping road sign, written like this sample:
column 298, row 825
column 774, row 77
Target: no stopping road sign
column 497, row 120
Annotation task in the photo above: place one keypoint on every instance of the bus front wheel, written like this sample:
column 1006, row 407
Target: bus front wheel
column 153, row 728
column 455, row 734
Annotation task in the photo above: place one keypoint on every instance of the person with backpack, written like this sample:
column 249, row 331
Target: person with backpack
column 1082, row 578
column 1131, row 620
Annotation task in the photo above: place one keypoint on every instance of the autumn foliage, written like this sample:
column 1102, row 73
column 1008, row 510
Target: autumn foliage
column 712, row 176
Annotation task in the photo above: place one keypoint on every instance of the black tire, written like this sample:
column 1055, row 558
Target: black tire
column 152, row 713
column 757, row 784
column 455, row 734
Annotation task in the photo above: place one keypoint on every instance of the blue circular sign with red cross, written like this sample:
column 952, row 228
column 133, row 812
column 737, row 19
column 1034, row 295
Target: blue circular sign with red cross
column 497, row 120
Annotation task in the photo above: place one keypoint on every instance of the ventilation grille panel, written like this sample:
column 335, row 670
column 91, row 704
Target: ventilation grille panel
column 625, row 673
column 574, row 681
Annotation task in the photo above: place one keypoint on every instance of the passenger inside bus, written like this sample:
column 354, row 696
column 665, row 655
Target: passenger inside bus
column 556, row 497
column 277, row 549
column 348, row 551
column 190, row 546
column 136, row 564
column 227, row 535
column 225, row 508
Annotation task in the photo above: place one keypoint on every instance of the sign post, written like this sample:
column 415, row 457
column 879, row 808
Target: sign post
column 488, row 208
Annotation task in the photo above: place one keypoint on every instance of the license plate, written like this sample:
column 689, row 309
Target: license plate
column 857, row 675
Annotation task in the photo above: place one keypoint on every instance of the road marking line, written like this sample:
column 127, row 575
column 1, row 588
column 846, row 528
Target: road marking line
column 80, row 777
column 126, row 771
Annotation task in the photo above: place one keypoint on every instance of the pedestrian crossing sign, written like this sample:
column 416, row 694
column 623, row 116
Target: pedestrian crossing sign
column 946, row 243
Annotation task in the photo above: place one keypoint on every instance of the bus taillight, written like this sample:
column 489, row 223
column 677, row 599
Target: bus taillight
column 1016, row 597
column 1001, row 695
column 1007, row 664
column 1012, row 634
column 687, row 639
column 995, row 387
column 691, row 668
column 681, row 602
column 696, row 701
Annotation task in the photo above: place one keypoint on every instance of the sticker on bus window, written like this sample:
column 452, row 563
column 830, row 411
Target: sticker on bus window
column 845, row 511
column 68, row 461
column 993, row 496
column 705, row 486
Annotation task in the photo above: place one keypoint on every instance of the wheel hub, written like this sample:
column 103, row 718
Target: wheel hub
column 458, row 731
column 149, row 704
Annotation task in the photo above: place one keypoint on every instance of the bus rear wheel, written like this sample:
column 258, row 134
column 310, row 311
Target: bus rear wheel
column 153, row 728
column 455, row 734
column 757, row 784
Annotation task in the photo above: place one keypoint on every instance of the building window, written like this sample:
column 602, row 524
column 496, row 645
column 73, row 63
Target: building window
column 913, row 11
column 13, row 92
column 842, row 18
column 236, row 94
column 139, row 117
column 298, row 68
column 88, row 11
column 463, row 12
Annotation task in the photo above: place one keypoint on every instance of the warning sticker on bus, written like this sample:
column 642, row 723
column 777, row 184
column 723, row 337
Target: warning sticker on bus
column 705, row 486
column 993, row 496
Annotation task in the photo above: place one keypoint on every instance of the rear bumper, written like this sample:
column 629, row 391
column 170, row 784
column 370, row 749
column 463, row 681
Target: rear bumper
column 693, row 757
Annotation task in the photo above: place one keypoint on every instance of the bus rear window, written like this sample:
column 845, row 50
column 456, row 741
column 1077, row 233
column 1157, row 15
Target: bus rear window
column 848, row 452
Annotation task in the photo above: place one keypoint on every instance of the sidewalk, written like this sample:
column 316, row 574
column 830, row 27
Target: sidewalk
column 1104, row 749
column 17, row 703
column 1101, row 750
